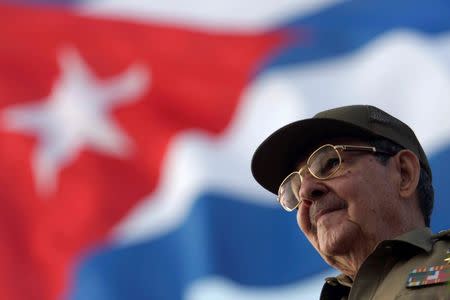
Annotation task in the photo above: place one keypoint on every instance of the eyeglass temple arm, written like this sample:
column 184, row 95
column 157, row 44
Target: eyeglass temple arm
column 363, row 148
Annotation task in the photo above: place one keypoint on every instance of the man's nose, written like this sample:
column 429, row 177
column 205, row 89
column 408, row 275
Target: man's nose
column 311, row 189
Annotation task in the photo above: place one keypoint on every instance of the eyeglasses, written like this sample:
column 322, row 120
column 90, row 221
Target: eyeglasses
column 322, row 164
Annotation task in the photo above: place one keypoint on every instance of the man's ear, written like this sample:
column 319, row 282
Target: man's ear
column 408, row 166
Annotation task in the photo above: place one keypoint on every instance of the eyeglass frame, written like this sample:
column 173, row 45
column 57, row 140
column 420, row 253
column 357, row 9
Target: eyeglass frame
column 371, row 149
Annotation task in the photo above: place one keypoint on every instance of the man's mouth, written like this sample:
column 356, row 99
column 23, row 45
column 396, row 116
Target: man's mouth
column 326, row 211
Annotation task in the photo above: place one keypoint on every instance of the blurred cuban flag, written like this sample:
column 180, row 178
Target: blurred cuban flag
column 127, row 129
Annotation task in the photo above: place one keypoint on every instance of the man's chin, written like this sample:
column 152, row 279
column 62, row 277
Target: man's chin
column 335, row 241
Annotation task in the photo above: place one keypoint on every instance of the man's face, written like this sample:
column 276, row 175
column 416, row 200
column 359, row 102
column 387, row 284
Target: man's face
column 354, row 209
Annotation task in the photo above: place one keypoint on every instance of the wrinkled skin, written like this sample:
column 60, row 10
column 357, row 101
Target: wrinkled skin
column 364, row 203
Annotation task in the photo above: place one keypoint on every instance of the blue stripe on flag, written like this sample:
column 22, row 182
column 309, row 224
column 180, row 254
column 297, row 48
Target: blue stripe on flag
column 347, row 26
column 440, row 164
column 222, row 236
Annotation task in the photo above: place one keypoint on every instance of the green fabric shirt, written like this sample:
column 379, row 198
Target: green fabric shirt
column 384, row 274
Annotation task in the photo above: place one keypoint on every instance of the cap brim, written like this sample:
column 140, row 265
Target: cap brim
column 280, row 153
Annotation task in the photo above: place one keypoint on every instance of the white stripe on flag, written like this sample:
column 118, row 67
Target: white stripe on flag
column 208, row 14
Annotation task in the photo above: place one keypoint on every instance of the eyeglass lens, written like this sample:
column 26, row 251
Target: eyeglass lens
column 324, row 162
column 288, row 191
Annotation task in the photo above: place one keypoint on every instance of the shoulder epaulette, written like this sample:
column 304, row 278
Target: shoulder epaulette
column 443, row 234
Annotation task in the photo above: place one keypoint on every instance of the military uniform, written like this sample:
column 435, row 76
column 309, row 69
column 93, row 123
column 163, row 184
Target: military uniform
column 415, row 265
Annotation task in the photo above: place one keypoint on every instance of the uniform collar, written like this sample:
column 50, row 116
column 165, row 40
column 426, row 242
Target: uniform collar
column 420, row 238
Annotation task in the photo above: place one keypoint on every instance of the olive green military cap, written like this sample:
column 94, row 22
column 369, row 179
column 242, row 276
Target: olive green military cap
column 279, row 154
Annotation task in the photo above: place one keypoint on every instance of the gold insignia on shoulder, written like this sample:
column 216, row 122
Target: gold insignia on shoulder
column 447, row 259
column 443, row 234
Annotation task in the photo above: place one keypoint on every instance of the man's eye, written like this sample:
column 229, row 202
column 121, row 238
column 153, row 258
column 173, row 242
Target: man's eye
column 331, row 163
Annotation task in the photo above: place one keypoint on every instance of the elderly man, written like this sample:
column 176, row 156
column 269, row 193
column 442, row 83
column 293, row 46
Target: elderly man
column 361, row 184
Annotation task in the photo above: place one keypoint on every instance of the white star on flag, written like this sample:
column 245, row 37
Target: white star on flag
column 76, row 116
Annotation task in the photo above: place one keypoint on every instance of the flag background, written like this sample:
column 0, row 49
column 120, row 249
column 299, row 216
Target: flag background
column 127, row 131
